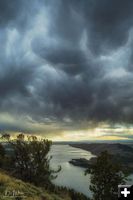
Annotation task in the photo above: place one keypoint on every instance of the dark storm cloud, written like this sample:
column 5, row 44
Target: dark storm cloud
column 9, row 10
column 110, row 22
column 15, row 81
column 67, row 61
column 16, row 12
column 70, row 60
column 107, row 23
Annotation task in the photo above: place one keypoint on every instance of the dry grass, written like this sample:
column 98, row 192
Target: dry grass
column 30, row 192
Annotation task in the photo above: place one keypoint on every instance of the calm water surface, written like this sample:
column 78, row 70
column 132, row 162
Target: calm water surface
column 71, row 176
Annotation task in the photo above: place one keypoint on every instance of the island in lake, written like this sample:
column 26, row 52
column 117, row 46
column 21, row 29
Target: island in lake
column 123, row 153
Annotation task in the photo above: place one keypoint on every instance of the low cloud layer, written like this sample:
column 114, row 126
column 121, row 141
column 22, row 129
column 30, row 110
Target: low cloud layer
column 64, row 64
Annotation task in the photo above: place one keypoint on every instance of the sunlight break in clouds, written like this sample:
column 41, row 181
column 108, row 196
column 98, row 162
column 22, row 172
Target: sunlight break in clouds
column 66, row 68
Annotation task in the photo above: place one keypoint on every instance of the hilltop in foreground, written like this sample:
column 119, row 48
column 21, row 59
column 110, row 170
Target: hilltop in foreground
column 15, row 189
column 10, row 187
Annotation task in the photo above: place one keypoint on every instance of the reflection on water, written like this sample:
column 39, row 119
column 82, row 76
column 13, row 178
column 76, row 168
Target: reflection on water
column 70, row 176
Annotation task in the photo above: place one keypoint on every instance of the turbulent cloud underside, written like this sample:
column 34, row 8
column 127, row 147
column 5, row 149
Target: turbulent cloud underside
column 66, row 66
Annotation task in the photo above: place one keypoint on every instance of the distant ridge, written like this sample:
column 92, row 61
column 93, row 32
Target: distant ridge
column 122, row 153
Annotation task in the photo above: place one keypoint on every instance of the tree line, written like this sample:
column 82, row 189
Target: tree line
column 28, row 160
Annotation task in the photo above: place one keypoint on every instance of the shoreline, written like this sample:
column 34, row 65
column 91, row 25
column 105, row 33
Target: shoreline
column 122, row 153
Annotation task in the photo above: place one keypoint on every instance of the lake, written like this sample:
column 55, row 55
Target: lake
column 71, row 176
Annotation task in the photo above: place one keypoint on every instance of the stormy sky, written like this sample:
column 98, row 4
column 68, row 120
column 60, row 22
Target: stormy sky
column 66, row 68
